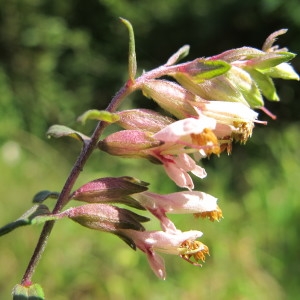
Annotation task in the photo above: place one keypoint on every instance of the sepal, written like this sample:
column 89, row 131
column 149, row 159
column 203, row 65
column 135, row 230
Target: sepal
column 270, row 60
column 283, row 71
column 180, row 54
column 264, row 83
column 204, row 69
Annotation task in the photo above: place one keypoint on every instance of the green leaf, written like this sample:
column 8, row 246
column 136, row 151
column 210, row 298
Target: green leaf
column 37, row 214
column 32, row 292
column 43, row 195
column 132, row 65
column 58, row 131
column 180, row 54
column 101, row 115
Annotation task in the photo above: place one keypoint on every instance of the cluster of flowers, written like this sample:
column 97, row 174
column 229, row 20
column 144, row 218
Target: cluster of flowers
column 211, row 104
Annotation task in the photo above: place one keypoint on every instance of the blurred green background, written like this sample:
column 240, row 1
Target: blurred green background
column 60, row 58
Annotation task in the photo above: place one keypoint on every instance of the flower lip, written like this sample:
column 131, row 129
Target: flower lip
column 176, row 243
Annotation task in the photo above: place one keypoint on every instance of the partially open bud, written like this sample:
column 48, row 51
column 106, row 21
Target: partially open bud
column 143, row 119
column 111, row 189
column 172, row 97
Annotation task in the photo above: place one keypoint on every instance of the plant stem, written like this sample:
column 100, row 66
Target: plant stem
column 64, row 195
column 84, row 155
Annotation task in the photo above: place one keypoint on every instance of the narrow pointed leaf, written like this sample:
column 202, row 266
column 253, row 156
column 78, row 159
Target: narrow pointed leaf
column 43, row 195
column 180, row 54
column 58, row 131
column 32, row 292
column 36, row 214
column 101, row 115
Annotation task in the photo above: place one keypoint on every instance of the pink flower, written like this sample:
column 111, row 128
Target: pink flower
column 195, row 202
column 179, row 243
column 169, row 146
column 182, row 137
column 234, row 120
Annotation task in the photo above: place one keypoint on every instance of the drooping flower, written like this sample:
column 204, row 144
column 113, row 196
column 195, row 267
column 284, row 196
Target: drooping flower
column 169, row 146
column 185, row 136
column 193, row 202
column 234, row 121
column 179, row 243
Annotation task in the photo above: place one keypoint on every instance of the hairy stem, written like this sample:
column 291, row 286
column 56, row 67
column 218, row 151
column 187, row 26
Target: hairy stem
column 64, row 195
column 84, row 155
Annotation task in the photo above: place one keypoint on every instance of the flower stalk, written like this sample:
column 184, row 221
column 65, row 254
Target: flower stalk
column 210, row 105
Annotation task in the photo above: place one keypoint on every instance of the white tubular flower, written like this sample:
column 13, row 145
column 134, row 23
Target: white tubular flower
column 193, row 202
column 180, row 243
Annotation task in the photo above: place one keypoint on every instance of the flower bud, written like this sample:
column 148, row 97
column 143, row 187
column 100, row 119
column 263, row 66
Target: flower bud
column 170, row 96
column 111, row 189
column 105, row 217
column 128, row 143
column 143, row 119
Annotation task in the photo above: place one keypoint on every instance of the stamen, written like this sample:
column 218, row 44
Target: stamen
column 226, row 144
column 207, row 138
column 193, row 249
column 214, row 215
column 244, row 131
